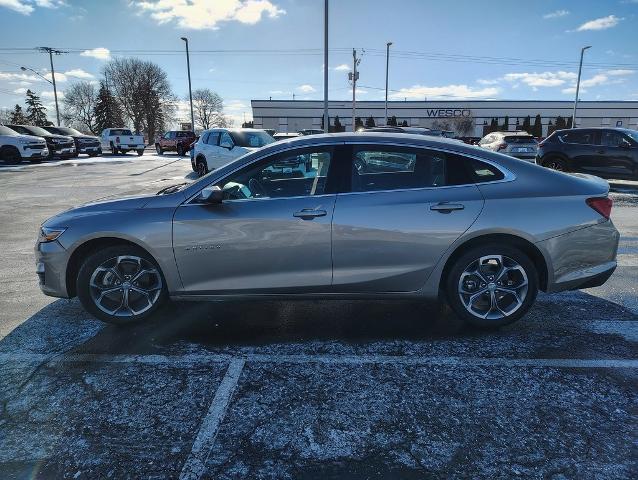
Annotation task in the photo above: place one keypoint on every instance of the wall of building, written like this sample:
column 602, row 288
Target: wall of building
column 293, row 115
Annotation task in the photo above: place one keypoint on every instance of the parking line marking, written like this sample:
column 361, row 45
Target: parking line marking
column 195, row 465
column 190, row 360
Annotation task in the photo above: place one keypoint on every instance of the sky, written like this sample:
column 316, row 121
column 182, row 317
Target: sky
column 258, row 49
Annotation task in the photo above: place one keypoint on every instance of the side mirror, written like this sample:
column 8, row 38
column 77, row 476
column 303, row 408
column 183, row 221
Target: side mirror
column 212, row 194
column 625, row 144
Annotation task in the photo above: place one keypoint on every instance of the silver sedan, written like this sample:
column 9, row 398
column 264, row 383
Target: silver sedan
column 365, row 215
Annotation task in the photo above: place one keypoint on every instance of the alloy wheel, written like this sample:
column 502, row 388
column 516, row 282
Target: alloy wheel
column 493, row 287
column 125, row 286
column 201, row 169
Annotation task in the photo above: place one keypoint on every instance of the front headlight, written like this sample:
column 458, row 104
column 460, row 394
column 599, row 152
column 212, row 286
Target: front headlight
column 25, row 140
column 50, row 234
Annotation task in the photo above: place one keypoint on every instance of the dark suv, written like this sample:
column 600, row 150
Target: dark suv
column 61, row 146
column 606, row 152
column 89, row 144
column 179, row 141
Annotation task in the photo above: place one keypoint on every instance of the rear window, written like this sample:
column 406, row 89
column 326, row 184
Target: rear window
column 484, row 172
column 120, row 131
column 184, row 134
column 519, row 139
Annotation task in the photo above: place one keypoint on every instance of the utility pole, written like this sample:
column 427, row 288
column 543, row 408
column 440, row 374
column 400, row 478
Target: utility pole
column 51, row 51
column 326, row 118
column 354, row 76
column 387, row 68
column 190, row 92
column 580, row 68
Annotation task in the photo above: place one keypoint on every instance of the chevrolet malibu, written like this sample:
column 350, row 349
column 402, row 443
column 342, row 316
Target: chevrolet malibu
column 373, row 215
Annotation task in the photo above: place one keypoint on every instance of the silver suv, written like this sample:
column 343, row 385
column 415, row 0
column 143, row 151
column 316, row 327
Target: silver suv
column 390, row 216
column 515, row 144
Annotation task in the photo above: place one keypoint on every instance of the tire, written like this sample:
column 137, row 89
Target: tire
column 201, row 168
column 114, row 150
column 470, row 295
column 555, row 163
column 106, row 274
column 35, row 160
column 159, row 149
column 93, row 154
column 10, row 155
column 180, row 150
column 140, row 153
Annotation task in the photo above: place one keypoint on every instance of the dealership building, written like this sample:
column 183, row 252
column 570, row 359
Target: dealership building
column 294, row 115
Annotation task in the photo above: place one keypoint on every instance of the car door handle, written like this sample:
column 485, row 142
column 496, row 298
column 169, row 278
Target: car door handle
column 446, row 207
column 309, row 213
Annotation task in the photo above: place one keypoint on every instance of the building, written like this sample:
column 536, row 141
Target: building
column 293, row 115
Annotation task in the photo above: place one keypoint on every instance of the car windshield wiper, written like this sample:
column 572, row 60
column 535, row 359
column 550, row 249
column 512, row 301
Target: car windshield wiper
column 171, row 188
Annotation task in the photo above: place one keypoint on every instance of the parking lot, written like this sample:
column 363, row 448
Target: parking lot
column 306, row 389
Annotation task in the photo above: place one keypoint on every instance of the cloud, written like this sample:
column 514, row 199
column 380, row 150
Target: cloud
column 26, row 7
column 49, row 94
column 361, row 92
column 342, row 68
column 456, row 91
column 20, row 91
column 206, row 14
column 20, row 77
column 306, row 88
column 572, row 90
column 556, row 14
column 485, row 81
column 542, row 79
column 602, row 23
column 598, row 79
column 620, row 72
column 79, row 73
column 100, row 53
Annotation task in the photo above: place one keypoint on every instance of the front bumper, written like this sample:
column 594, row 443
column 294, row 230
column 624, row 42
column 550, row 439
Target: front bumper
column 34, row 152
column 51, row 260
column 62, row 151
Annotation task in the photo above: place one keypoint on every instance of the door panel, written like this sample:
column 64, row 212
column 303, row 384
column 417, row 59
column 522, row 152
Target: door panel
column 255, row 246
column 390, row 241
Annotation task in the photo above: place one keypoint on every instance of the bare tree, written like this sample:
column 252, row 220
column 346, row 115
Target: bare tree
column 464, row 126
column 208, row 107
column 143, row 90
column 79, row 106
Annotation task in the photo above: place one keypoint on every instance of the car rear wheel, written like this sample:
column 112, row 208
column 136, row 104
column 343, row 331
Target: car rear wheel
column 121, row 284
column 140, row 153
column 10, row 156
column 555, row 163
column 180, row 150
column 159, row 150
column 114, row 150
column 492, row 285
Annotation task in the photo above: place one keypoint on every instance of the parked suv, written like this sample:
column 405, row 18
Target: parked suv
column 179, row 141
column 88, row 144
column 515, row 144
column 219, row 146
column 15, row 147
column 59, row 145
column 606, row 152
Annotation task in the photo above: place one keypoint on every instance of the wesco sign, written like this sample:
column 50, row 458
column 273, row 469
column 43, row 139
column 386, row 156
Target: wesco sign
column 449, row 112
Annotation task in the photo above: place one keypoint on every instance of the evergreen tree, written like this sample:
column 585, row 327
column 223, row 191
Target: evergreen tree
column 392, row 121
column 493, row 125
column 537, row 130
column 358, row 123
column 560, row 123
column 108, row 113
column 569, row 122
column 506, row 123
column 249, row 124
column 527, row 124
column 404, row 123
column 17, row 116
column 337, row 125
column 36, row 112
column 370, row 122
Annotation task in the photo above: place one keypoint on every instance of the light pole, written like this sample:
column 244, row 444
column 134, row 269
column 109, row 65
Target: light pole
column 57, row 110
column 580, row 68
column 190, row 93
column 326, row 119
column 51, row 51
column 387, row 67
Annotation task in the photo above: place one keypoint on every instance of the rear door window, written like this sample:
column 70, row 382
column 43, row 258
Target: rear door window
column 213, row 138
column 582, row 137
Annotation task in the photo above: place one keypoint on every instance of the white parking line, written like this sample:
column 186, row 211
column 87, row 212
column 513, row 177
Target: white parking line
column 191, row 360
column 195, row 465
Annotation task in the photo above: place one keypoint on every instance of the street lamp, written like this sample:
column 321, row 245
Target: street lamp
column 580, row 68
column 55, row 94
column 387, row 66
column 190, row 93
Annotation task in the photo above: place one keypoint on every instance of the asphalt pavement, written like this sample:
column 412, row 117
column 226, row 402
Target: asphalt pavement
column 304, row 389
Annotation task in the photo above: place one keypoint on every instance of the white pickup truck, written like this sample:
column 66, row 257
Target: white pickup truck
column 15, row 147
column 121, row 140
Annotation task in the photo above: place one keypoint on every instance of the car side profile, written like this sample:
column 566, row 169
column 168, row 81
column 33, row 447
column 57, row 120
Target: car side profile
column 374, row 216
column 606, row 152
column 15, row 147
column 218, row 146
column 516, row 144
column 179, row 141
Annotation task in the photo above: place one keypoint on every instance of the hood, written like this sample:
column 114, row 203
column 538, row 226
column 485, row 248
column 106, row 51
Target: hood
column 31, row 138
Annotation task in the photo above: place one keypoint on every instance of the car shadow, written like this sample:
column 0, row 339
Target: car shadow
column 187, row 326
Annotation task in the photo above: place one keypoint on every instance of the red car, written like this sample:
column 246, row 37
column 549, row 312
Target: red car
column 179, row 141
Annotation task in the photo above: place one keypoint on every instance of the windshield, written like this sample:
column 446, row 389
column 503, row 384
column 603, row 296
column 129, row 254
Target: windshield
column 252, row 139
column 7, row 131
column 37, row 131
column 65, row 131
column 121, row 131
column 633, row 134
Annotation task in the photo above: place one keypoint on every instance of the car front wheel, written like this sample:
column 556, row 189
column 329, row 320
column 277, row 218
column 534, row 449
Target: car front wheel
column 201, row 168
column 121, row 284
column 555, row 164
column 492, row 285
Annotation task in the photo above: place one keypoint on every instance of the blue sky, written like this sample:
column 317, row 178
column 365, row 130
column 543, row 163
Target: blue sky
column 273, row 48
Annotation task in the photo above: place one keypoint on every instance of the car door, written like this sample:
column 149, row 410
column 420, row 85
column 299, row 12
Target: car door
column 164, row 141
column 583, row 150
column 405, row 207
column 616, row 149
column 270, row 234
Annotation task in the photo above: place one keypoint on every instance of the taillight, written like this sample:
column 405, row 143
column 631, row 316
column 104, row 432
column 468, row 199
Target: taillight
column 601, row 204
column 117, row 139
column 501, row 146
